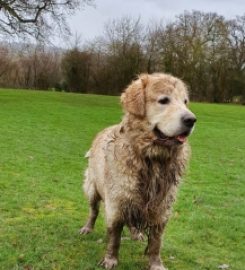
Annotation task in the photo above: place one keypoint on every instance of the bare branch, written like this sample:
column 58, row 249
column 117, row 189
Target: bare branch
column 37, row 18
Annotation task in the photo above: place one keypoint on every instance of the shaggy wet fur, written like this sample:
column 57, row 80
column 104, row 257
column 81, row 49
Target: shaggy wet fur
column 136, row 177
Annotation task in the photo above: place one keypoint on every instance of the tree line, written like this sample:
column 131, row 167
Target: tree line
column 206, row 50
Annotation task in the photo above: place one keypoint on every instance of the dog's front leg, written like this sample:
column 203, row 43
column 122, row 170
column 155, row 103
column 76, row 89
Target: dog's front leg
column 114, row 238
column 154, row 246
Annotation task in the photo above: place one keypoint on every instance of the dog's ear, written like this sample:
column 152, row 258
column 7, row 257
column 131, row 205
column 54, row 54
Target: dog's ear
column 133, row 99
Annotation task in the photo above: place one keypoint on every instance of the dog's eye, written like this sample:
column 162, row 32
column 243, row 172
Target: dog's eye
column 185, row 101
column 164, row 100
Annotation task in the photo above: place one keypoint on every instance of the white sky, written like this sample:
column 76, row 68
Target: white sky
column 90, row 21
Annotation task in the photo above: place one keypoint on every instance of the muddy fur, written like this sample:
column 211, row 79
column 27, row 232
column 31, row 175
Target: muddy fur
column 135, row 175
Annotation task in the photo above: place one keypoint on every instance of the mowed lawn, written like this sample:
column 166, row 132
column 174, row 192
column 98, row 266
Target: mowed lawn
column 43, row 139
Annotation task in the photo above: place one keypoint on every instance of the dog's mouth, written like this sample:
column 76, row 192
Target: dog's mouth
column 165, row 140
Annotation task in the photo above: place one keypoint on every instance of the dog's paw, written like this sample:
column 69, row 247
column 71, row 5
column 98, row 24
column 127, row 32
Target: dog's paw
column 85, row 230
column 157, row 267
column 108, row 263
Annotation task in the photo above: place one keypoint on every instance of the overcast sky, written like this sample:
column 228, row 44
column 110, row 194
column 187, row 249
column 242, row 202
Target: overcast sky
column 90, row 21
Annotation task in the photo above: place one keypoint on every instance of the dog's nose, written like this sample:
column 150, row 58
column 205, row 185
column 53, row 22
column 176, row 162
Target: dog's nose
column 189, row 120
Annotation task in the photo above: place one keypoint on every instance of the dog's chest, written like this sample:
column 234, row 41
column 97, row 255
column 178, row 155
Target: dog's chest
column 155, row 180
column 155, row 177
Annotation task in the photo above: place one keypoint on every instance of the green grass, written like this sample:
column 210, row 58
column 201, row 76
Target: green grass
column 43, row 139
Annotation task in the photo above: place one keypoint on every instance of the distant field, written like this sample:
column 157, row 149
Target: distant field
column 43, row 139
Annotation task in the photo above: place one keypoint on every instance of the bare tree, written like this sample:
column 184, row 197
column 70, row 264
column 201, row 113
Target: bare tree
column 152, row 50
column 30, row 67
column 124, row 51
column 5, row 61
column 76, row 70
column 237, row 57
column 36, row 18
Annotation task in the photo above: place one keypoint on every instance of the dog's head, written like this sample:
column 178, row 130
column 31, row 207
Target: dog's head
column 162, row 100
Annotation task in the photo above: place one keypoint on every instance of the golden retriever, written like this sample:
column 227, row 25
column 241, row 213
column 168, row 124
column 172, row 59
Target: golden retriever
column 135, row 167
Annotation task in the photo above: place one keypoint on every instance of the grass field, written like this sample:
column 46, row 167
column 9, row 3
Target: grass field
column 43, row 139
